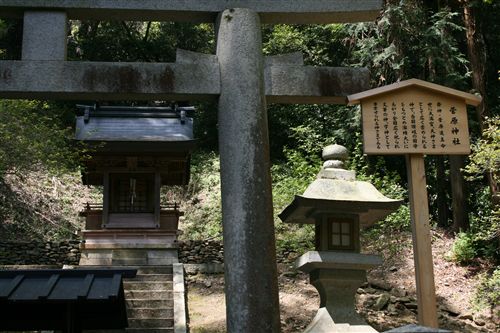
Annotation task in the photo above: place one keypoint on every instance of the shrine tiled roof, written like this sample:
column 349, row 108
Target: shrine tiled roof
column 134, row 124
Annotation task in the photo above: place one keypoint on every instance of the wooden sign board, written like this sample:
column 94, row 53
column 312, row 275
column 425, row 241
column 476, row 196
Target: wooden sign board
column 415, row 121
column 415, row 117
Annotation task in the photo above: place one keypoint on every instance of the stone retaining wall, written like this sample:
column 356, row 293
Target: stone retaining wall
column 40, row 253
column 68, row 253
column 212, row 251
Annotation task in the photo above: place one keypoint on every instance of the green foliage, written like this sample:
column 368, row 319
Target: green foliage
column 201, row 199
column 309, row 128
column 39, row 206
column 10, row 39
column 34, row 146
column 407, row 42
column 291, row 178
column 320, row 45
column 485, row 220
column 463, row 250
column 137, row 41
column 486, row 152
column 488, row 291
column 31, row 137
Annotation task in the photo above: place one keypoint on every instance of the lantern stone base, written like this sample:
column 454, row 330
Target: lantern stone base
column 337, row 276
column 323, row 323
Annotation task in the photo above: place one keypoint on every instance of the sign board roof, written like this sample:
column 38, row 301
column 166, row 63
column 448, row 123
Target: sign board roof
column 469, row 99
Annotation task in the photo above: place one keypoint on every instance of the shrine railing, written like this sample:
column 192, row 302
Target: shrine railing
column 169, row 206
column 168, row 219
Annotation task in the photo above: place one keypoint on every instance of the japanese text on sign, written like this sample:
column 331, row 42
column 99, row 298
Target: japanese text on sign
column 415, row 124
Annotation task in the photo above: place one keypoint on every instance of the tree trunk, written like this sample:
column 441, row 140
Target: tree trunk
column 458, row 189
column 476, row 49
column 442, row 205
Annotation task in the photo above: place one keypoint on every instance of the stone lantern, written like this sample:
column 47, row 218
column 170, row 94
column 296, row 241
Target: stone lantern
column 338, row 206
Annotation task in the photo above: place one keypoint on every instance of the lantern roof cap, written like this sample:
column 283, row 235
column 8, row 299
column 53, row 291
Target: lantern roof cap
column 468, row 98
column 337, row 192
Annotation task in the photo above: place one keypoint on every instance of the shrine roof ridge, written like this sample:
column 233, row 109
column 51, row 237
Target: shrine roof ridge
column 468, row 98
column 276, row 11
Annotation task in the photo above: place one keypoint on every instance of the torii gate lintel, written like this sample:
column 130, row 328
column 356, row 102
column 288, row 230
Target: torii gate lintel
column 275, row 11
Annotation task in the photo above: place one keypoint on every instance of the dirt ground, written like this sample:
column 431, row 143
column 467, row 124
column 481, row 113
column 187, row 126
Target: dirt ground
column 299, row 300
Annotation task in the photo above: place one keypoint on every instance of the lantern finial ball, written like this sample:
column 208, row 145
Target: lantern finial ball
column 334, row 156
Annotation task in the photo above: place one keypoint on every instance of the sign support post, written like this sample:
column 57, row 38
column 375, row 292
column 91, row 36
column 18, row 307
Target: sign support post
column 422, row 250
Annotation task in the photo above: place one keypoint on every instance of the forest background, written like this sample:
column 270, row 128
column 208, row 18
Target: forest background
column 453, row 43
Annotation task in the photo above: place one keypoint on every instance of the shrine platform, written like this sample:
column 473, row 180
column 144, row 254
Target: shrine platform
column 123, row 243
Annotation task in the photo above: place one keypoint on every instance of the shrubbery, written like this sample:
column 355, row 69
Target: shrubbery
column 488, row 292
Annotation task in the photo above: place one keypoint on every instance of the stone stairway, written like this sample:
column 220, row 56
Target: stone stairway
column 149, row 298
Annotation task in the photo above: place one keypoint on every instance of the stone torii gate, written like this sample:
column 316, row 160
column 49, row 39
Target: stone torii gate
column 238, row 77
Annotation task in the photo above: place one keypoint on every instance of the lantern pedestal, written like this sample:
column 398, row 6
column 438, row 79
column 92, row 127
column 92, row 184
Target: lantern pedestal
column 323, row 323
column 337, row 276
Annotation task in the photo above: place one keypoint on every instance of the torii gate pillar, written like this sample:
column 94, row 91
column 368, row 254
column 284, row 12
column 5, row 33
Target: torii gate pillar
column 247, row 212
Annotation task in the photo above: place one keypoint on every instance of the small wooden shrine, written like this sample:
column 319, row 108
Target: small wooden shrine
column 133, row 152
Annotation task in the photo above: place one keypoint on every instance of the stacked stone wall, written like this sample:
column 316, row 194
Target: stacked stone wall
column 40, row 253
column 212, row 251
column 68, row 253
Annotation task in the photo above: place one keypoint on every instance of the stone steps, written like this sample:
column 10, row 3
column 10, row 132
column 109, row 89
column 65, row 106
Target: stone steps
column 148, row 313
column 149, row 299
column 154, row 270
column 153, row 303
column 148, row 285
column 150, row 330
column 150, row 323
column 152, row 277
column 148, row 294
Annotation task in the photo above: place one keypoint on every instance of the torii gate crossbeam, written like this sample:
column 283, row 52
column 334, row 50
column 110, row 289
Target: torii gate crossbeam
column 273, row 11
column 238, row 75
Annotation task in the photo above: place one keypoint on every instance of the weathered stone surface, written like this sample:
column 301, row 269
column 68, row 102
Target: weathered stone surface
column 101, row 80
column 207, row 257
column 337, row 290
column 295, row 58
column 311, row 85
column 380, row 284
column 398, row 292
column 40, row 253
column 276, row 11
column 333, row 164
column 44, row 35
column 382, row 301
column 193, row 77
column 179, row 295
column 313, row 260
column 335, row 152
column 339, row 174
column 412, row 328
column 323, row 323
column 465, row 316
column 252, row 303
column 452, row 309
